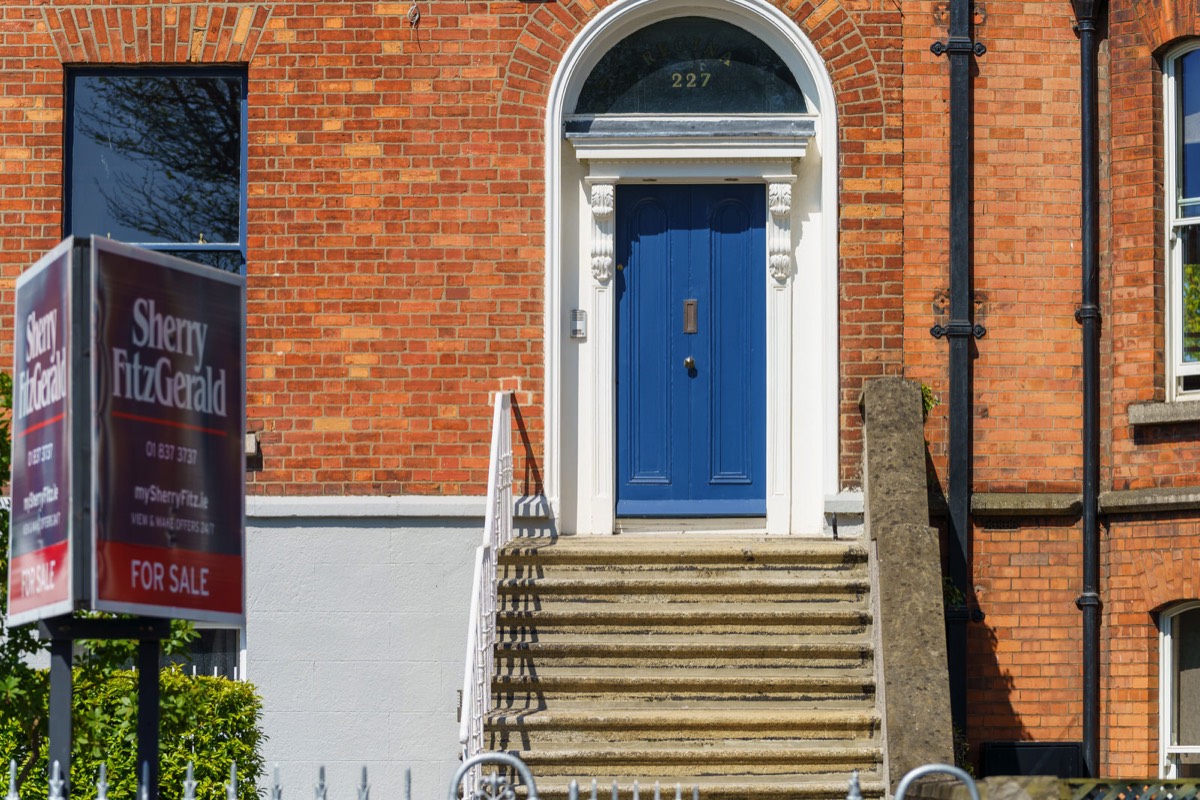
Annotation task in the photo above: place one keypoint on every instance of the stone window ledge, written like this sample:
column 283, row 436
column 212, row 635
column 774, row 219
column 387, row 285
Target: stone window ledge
column 1025, row 504
column 1142, row 501
column 1161, row 413
column 1045, row 504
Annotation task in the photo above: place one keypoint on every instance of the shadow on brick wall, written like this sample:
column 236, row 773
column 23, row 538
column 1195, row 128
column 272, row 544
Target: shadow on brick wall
column 527, row 477
column 1024, row 675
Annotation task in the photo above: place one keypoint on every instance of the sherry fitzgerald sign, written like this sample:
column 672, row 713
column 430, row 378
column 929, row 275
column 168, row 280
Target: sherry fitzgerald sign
column 161, row 413
column 168, row 415
column 41, row 579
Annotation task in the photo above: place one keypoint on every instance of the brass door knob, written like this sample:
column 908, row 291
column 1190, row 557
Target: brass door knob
column 689, row 363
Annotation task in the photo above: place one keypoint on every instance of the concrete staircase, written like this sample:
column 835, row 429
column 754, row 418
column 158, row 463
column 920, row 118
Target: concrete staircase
column 742, row 665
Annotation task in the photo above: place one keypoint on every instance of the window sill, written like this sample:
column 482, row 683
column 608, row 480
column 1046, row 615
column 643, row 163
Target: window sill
column 1146, row 501
column 1163, row 413
column 1025, row 504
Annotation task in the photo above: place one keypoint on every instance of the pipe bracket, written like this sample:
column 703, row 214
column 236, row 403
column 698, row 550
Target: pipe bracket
column 1087, row 599
column 1087, row 312
column 956, row 45
column 958, row 328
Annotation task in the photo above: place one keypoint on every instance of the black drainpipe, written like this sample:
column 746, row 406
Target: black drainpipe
column 960, row 331
column 1088, row 315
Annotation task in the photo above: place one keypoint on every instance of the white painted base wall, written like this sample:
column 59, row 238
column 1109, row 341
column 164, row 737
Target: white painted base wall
column 355, row 637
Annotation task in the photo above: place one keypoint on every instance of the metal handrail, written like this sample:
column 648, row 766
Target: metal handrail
column 930, row 769
column 501, row 787
column 481, row 631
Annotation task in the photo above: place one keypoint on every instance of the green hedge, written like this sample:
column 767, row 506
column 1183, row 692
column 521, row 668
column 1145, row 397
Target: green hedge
column 212, row 722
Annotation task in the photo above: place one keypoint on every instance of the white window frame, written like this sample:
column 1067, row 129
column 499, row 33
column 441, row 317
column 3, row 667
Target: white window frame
column 183, row 249
column 239, row 670
column 1169, row 753
column 1177, row 369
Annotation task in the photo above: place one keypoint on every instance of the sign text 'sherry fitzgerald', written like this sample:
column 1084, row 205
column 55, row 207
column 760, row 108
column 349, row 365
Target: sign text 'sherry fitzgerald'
column 41, row 381
column 154, row 378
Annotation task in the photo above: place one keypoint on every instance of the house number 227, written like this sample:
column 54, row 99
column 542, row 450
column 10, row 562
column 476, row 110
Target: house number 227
column 690, row 80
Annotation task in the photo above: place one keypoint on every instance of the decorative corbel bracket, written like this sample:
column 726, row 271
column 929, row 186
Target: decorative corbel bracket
column 603, row 203
column 779, row 231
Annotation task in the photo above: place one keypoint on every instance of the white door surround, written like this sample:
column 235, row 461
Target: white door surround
column 798, row 172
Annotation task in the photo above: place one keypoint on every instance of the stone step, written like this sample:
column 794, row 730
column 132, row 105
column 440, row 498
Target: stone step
column 628, row 553
column 669, row 603
column 687, row 760
column 789, row 618
column 741, row 663
column 648, row 685
column 676, row 570
column 700, row 650
column 767, row 642
column 517, row 593
column 828, row 787
column 683, row 721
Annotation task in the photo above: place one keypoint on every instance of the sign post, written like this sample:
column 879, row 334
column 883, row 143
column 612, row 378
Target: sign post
column 128, row 472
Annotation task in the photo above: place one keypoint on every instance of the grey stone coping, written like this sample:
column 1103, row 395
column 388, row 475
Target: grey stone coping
column 682, row 126
column 1046, row 504
column 847, row 501
column 1186, row 498
column 1160, row 413
column 1049, row 504
column 910, row 627
column 1026, row 504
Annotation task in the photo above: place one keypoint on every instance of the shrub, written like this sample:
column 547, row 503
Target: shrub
column 211, row 722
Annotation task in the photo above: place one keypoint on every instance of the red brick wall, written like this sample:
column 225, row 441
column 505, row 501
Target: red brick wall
column 926, row 211
column 396, row 207
column 31, row 110
column 1026, row 661
column 1024, row 678
column 1165, row 456
column 395, row 246
column 1150, row 564
column 1025, row 675
column 1026, row 233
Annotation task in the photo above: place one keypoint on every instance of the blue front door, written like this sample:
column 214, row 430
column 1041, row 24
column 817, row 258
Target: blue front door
column 691, row 350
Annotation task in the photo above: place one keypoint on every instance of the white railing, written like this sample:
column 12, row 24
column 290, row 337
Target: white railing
column 494, row 785
column 481, row 634
column 499, row 785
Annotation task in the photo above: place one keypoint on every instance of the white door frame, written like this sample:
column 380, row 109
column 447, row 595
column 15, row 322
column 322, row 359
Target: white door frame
column 801, row 326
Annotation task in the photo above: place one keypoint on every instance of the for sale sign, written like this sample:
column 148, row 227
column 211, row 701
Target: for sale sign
column 168, row 393
column 40, row 555
column 127, row 425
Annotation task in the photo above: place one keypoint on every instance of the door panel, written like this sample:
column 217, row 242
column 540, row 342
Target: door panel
column 691, row 441
column 733, row 414
column 650, row 410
